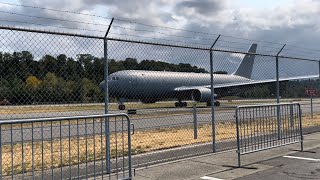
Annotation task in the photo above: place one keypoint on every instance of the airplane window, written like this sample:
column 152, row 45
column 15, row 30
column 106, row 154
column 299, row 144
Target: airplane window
column 113, row 78
column 117, row 78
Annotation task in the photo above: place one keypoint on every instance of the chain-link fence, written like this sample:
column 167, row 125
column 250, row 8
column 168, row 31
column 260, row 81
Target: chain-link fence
column 181, row 95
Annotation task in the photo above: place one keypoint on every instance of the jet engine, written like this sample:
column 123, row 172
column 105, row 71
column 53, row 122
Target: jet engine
column 201, row 95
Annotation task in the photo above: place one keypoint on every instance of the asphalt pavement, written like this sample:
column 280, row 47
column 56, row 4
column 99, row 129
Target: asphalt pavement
column 146, row 119
column 279, row 163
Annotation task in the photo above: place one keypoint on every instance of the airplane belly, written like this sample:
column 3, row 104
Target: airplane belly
column 152, row 88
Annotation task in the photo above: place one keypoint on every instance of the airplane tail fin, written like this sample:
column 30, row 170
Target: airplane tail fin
column 246, row 65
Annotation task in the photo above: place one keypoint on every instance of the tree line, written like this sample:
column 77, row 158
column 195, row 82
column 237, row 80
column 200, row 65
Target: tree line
column 62, row 79
column 288, row 89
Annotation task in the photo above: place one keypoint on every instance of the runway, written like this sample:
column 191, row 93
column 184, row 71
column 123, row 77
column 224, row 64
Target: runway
column 145, row 119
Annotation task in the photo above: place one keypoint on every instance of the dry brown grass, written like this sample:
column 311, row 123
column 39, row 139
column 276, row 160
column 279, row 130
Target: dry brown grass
column 142, row 141
column 307, row 121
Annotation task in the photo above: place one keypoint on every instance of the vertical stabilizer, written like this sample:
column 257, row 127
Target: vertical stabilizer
column 246, row 65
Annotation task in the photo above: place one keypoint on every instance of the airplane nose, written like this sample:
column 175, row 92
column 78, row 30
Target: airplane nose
column 102, row 85
column 112, row 87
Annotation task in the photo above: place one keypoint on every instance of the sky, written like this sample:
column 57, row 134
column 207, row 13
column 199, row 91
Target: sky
column 269, row 23
column 293, row 22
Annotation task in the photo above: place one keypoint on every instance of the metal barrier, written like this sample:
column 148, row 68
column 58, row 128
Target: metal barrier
column 66, row 147
column 261, row 127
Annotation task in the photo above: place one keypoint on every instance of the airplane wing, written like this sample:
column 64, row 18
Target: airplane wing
column 239, row 84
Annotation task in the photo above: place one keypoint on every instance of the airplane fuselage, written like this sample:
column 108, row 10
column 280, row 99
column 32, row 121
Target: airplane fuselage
column 151, row 86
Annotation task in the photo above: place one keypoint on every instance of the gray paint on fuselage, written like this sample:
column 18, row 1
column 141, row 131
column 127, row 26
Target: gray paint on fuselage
column 139, row 84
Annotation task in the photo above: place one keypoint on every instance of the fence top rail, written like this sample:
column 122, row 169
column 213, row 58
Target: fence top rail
column 53, row 119
column 266, row 105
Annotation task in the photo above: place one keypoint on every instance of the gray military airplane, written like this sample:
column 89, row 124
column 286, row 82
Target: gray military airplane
column 152, row 86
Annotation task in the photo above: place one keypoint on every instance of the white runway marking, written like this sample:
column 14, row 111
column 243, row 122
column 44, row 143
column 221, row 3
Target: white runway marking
column 210, row 178
column 302, row 158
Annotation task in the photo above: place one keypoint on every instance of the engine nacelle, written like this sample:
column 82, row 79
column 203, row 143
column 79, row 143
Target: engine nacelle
column 201, row 95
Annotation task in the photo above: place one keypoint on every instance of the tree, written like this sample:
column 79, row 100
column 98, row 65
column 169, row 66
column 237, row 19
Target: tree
column 33, row 82
column 86, row 61
column 220, row 72
column 90, row 90
column 48, row 64
column 130, row 63
column 4, row 89
column 48, row 88
column 61, row 65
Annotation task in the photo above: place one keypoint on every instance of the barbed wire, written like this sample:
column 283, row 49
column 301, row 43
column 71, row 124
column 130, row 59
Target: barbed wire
column 118, row 19
column 299, row 55
column 260, row 41
column 39, row 24
column 275, row 48
column 165, row 27
column 56, row 10
column 188, row 37
column 175, row 41
column 230, row 48
column 178, row 36
column 132, row 22
column 55, row 19
column 297, row 47
column 304, row 52
column 233, row 42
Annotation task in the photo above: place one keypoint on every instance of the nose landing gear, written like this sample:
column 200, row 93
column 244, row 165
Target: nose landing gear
column 216, row 103
column 181, row 104
column 121, row 104
column 121, row 107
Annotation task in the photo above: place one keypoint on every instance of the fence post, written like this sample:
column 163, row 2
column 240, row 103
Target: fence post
column 106, row 96
column 278, row 93
column 291, row 116
column 238, row 138
column 301, row 132
column 311, row 99
column 319, row 69
column 1, row 151
column 195, row 121
column 212, row 97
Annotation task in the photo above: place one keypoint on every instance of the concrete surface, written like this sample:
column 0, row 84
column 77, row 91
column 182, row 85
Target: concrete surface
column 269, row 164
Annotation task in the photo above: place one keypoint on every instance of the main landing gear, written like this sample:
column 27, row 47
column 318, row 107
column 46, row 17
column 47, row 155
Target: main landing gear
column 216, row 103
column 121, row 104
column 181, row 104
column 122, row 107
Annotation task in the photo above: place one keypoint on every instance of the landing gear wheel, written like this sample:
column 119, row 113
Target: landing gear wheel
column 181, row 104
column 122, row 107
column 184, row 104
column 217, row 103
column 208, row 103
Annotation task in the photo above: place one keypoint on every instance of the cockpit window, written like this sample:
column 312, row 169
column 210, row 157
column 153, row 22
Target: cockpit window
column 115, row 78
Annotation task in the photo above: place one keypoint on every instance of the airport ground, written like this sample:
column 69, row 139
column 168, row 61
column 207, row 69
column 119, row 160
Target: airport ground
column 279, row 163
column 145, row 119
column 155, row 109
column 151, row 119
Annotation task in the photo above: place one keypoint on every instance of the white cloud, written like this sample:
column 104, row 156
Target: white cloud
column 295, row 23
